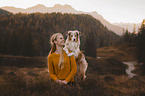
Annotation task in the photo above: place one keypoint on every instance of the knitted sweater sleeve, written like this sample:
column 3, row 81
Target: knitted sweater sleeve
column 73, row 69
column 51, row 68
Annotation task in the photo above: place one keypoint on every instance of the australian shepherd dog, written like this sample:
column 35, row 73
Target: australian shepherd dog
column 73, row 44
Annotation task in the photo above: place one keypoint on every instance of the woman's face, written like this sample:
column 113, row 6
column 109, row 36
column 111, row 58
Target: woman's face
column 60, row 40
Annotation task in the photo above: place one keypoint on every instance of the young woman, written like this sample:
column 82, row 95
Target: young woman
column 62, row 68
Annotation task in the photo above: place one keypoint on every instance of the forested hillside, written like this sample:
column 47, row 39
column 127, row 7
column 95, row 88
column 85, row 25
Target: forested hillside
column 4, row 12
column 29, row 34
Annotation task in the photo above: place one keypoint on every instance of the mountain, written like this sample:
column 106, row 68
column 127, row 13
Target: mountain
column 114, row 28
column 43, row 9
column 129, row 26
column 65, row 9
column 4, row 12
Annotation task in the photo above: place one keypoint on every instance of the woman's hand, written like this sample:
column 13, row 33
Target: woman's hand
column 61, row 81
column 58, row 81
column 64, row 82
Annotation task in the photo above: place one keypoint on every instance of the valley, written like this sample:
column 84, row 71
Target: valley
column 105, row 76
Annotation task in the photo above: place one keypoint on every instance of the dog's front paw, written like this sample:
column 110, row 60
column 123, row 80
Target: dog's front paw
column 66, row 50
column 84, row 77
column 75, row 55
column 70, row 54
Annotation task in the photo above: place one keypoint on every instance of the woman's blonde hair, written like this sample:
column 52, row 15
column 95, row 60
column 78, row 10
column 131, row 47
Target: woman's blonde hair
column 53, row 49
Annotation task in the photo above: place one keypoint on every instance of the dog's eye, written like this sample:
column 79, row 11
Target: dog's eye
column 71, row 35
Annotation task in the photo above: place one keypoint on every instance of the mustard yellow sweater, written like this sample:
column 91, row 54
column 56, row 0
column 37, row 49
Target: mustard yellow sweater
column 67, row 73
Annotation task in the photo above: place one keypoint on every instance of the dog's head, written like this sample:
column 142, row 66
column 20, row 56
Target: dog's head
column 73, row 35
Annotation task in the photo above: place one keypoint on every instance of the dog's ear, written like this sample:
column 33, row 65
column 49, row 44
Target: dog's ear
column 66, row 33
column 79, row 33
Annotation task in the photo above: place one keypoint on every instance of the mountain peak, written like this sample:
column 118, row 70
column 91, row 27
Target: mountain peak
column 66, row 7
column 39, row 6
column 94, row 12
column 57, row 5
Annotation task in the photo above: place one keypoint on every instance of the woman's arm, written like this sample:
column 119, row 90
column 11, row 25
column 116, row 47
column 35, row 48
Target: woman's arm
column 51, row 68
column 73, row 69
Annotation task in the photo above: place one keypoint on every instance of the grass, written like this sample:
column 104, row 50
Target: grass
column 21, row 76
column 123, row 52
column 41, row 85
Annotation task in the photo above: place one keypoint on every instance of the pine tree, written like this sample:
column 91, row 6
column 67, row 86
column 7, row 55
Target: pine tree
column 126, row 35
column 90, row 46
column 134, row 29
column 141, row 45
column 123, row 31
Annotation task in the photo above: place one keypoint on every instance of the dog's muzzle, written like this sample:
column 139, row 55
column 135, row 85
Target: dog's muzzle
column 74, row 39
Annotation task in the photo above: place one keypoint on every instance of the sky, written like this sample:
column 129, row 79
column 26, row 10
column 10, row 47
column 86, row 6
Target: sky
column 114, row 11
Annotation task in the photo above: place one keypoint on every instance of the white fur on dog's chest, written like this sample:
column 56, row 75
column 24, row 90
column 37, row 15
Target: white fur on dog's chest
column 72, row 46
